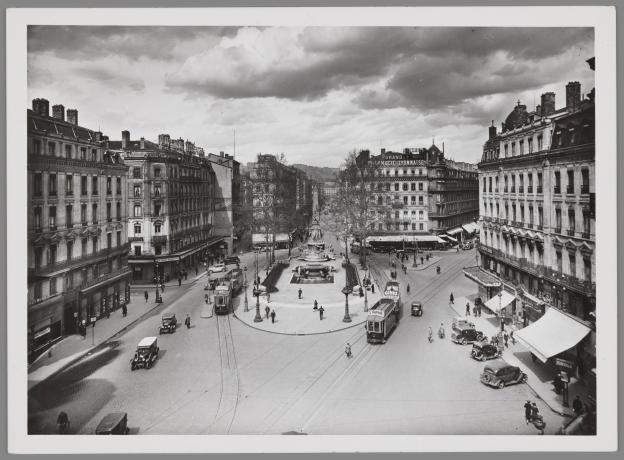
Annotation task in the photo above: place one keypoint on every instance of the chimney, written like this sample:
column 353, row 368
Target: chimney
column 125, row 139
column 72, row 116
column 58, row 112
column 548, row 104
column 492, row 131
column 163, row 140
column 221, row 153
column 573, row 95
column 98, row 136
column 383, row 150
column 142, row 143
column 41, row 107
column 538, row 110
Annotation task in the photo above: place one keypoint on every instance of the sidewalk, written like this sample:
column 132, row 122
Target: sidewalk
column 73, row 347
column 540, row 377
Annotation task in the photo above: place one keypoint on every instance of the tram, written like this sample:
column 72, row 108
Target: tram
column 385, row 315
column 223, row 298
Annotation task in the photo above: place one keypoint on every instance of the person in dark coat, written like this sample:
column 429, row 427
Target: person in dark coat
column 467, row 309
column 146, row 295
column 527, row 412
column 577, row 405
column 273, row 316
column 267, row 310
column 451, row 298
column 373, row 288
column 321, row 310
column 315, row 305
column 506, row 337
column 187, row 321
column 179, row 281
column 300, row 292
column 124, row 310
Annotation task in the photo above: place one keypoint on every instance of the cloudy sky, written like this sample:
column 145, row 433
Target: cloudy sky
column 312, row 93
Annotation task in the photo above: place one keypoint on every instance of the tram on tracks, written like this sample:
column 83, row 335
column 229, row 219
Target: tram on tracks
column 226, row 289
column 385, row 315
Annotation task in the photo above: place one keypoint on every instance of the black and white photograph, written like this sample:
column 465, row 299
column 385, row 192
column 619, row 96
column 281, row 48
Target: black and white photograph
column 308, row 230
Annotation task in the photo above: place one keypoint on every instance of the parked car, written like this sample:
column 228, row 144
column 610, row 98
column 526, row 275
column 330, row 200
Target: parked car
column 146, row 353
column 499, row 374
column 466, row 335
column 168, row 323
column 216, row 268
column 417, row 309
column 461, row 322
column 113, row 423
column 232, row 260
column 467, row 245
column 482, row 351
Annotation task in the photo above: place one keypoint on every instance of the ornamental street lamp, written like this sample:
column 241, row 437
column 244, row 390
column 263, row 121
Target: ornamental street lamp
column 256, row 292
column 245, row 277
column 346, row 291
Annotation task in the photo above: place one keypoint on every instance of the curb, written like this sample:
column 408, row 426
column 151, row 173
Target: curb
column 298, row 334
column 94, row 347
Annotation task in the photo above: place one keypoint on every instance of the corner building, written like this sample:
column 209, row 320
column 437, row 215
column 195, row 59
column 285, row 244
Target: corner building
column 537, row 243
column 77, row 226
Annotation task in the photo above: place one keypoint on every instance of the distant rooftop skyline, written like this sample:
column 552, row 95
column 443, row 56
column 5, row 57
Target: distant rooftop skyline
column 311, row 93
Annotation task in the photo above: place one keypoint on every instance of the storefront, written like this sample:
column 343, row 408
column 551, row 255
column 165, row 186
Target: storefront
column 489, row 285
column 45, row 325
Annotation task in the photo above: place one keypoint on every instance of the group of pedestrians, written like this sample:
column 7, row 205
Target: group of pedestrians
column 320, row 309
column 476, row 310
column 270, row 313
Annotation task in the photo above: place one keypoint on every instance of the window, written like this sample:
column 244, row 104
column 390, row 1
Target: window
column 118, row 179
column 137, row 190
column 420, row 215
column 420, row 186
column 387, row 187
column 52, row 286
column 584, row 180
column 37, row 218
column 157, row 227
column 586, row 224
column 137, row 250
column 156, row 190
column 94, row 185
column 405, row 225
column 530, row 144
column 531, row 215
column 83, row 214
column 137, row 210
column 37, row 147
column 396, row 187
column 68, row 151
column 522, row 214
column 570, row 181
column 413, row 200
column 513, row 148
column 51, row 148
column 559, row 261
column 156, row 172
column 38, row 184
column 380, row 226
column 109, row 186
column 136, row 173
column 413, row 187
column 572, row 258
column 69, row 185
column 539, row 143
column 52, row 186
column 405, row 200
column 413, row 226
column 52, row 217
column 571, row 221
column 94, row 243
column 484, row 185
column 137, row 229
column 109, row 240
column 557, row 220
column 540, row 216
column 94, row 213
column 108, row 212
column 396, row 214
column 83, row 243
column 118, row 237
column 68, row 216
column 506, row 150
column 421, row 226
column 557, row 182
column 420, row 199
column 83, row 153
column 157, row 207
column 70, row 250
column 93, row 154
column 158, row 249
column 521, row 147
column 587, row 269
column 490, row 185
column 83, row 185
column 52, row 260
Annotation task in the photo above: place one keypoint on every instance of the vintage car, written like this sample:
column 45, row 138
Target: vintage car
column 482, row 351
column 146, row 353
column 461, row 322
column 417, row 308
column 113, row 423
column 499, row 374
column 467, row 245
column 467, row 334
column 216, row 268
column 232, row 260
column 168, row 323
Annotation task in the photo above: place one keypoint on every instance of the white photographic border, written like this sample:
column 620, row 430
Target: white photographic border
column 602, row 19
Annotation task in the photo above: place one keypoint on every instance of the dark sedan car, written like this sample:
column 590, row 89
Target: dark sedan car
column 483, row 351
column 499, row 374
column 466, row 335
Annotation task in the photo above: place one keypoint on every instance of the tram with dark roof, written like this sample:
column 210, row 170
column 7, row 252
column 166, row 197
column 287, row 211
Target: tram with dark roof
column 385, row 315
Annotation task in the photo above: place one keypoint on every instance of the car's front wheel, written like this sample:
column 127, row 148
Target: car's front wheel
column 501, row 385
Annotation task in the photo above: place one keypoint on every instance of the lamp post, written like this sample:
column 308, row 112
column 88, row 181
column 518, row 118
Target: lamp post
column 256, row 292
column 366, row 290
column 346, row 292
column 245, row 279
column 500, row 299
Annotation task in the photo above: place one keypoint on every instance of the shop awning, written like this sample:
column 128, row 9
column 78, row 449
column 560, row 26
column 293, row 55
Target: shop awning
column 552, row 334
column 259, row 238
column 448, row 237
column 454, row 231
column 496, row 303
column 482, row 277
column 471, row 227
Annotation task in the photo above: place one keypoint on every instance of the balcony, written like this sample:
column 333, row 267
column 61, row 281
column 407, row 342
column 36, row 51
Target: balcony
column 585, row 235
column 539, row 189
column 570, row 190
column 585, row 189
column 133, row 239
column 570, row 232
column 159, row 239
column 120, row 272
column 529, row 225
column 530, row 189
column 77, row 260
column 557, row 230
column 540, row 226
column 557, row 189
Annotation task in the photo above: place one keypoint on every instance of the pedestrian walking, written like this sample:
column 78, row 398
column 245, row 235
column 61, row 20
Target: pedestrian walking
column 268, row 297
column 373, row 288
column 146, row 296
column 273, row 316
column 467, row 309
column 422, row 260
column 474, row 311
column 511, row 336
column 315, row 305
column 300, row 292
column 348, row 350
column 321, row 310
column 577, row 405
column 506, row 337
column 185, row 275
column 408, row 288
column 206, row 298
column 451, row 298
column 187, row 321
column 124, row 310
column 267, row 310
column 527, row 411
column 179, row 281
column 196, row 271
column 430, row 335
column 479, row 311
column 162, row 288
column 63, row 422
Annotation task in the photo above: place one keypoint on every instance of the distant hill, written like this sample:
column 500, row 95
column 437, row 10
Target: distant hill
column 319, row 174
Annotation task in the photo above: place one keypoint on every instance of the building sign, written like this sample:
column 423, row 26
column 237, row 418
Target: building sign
column 564, row 363
column 42, row 332
column 375, row 313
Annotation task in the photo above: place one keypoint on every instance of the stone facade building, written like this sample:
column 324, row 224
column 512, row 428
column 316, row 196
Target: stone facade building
column 170, row 206
column 537, row 245
column 77, row 225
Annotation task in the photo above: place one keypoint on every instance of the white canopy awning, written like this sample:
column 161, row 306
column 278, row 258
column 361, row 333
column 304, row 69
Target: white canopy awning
column 496, row 304
column 454, row 231
column 257, row 238
column 449, row 237
column 406, row 238
column 552, row 334
column 471, row 227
